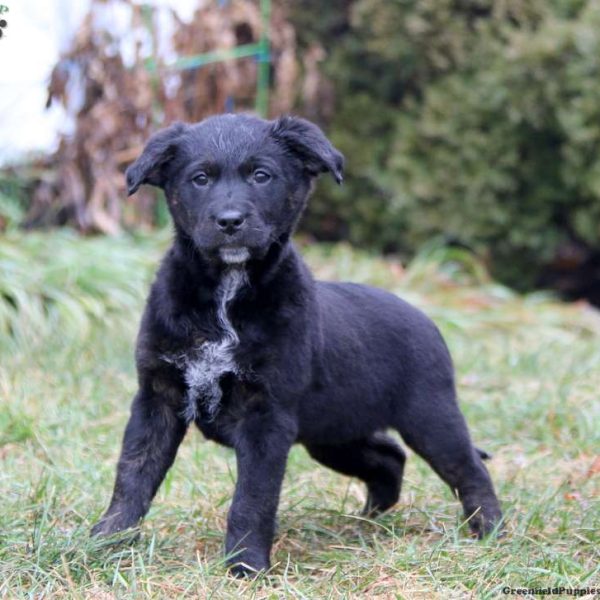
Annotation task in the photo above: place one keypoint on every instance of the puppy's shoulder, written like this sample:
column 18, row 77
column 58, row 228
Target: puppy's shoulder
column 166, row 323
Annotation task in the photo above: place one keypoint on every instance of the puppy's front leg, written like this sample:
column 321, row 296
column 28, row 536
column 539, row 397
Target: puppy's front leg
column 262, row 444
column 152, row 436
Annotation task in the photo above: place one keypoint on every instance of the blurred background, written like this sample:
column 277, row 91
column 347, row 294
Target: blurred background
column 471, row 124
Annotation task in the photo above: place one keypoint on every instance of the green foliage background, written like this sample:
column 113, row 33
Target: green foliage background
column 476, row 120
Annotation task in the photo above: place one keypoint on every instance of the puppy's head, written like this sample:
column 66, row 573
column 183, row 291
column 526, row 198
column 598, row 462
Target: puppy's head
column 236, row 184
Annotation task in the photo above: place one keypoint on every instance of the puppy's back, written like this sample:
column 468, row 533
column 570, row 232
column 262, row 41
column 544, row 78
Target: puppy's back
column 379, row 335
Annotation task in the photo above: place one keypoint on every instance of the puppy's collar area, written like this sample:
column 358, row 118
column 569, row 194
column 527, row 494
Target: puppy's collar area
column 234, row 256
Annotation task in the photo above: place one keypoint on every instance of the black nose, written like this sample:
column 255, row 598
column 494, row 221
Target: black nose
column 230, row 221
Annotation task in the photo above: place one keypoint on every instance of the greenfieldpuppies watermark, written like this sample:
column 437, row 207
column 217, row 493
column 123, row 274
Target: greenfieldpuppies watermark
column 3, row 21
column 552, row 591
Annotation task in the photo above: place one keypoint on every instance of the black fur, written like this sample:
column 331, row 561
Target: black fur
column 328, row 365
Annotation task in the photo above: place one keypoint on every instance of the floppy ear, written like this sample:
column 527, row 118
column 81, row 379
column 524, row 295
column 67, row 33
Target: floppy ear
column 308, row 142
column 150, row 166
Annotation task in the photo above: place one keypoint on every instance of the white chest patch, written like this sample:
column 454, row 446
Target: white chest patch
column 205, row 365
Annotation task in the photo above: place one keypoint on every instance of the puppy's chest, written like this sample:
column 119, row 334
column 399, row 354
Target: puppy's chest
column 206, row 363
column 203, row 370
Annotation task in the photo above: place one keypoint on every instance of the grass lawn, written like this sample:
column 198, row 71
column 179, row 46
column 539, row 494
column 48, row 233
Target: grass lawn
column 529, row 381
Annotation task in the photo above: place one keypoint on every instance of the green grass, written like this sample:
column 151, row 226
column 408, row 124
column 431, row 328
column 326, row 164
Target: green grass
column 528, row 375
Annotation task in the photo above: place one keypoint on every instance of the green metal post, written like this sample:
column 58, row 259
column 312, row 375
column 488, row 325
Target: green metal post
column 201, row 60
column 264, row 67
column 148, row 20
column 260, row 50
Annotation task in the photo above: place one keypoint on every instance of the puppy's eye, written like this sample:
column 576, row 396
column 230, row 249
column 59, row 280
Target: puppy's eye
column 261, row 176
column 201, row 179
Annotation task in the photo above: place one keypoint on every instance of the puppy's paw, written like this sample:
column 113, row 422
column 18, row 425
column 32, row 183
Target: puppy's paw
column 242, row 570
column 248, row 563
column 119, row 532
column 382, row 496
column 483, row 524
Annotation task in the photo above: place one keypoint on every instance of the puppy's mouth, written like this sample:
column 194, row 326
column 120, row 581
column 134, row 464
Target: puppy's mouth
column 234, row 256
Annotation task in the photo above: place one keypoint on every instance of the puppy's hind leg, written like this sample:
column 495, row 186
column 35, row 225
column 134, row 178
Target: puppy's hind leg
column 434, row 428
column 377, row 460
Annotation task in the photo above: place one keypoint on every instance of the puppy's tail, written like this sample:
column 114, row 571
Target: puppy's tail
column 483, row 454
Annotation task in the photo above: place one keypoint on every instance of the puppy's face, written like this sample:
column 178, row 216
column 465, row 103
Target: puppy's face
column 236, row 184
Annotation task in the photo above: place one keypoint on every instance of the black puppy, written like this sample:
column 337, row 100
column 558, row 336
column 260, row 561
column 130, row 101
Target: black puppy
column 239, row 339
